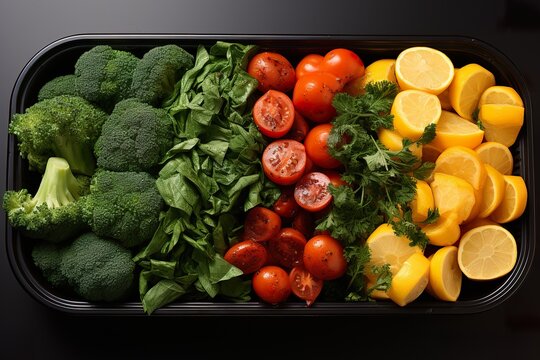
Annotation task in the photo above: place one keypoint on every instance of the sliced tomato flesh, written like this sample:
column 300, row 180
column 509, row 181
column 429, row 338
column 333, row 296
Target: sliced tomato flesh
column 311, row 192
column 273, row 114
column 304, row 285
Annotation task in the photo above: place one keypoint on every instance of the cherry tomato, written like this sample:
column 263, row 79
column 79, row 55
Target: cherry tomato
column 311, row 191
column 343, row 63
column 273, row 114
column 304, row 285
column 313, row 95
column 273, row 71
column 287, row 248
column 335, row 178
column 323, row 257
column 249, row 256
column 309, row 64
column 299, row 128
column 310, row 166
column 272, row 284
column 284, row 161
column 285, row 206
column 304, row 223
column 316, row 144
column 261, row 224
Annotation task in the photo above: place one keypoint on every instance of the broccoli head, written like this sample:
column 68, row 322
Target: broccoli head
column 54, row 213
column 124, row 206
column 94, row 268
column 48, row 258
column 158, row 71
column 61, row 85
column 134, row 138
column 97, row 269
column 103, row 75
column 64, row 126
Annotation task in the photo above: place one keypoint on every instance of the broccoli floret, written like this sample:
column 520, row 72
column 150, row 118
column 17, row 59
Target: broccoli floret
column 96, row 269
column 103, row 75
column 158, row 71
column 124, row 206
column 134, row 138
column 64, row 126
column 54, row 213
column 62, row 85
column 48, row 258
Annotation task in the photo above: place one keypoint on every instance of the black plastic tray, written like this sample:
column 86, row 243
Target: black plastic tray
column 59, row 57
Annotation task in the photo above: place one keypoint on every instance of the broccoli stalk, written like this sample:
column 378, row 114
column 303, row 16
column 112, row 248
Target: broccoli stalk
column 54, row 213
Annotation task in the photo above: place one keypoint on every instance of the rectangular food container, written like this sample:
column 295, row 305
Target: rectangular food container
column 59, row 58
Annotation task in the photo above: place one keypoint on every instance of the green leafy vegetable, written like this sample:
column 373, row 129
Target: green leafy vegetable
column 211, row 174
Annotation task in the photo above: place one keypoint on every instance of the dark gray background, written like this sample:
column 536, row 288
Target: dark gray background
column 29, row 330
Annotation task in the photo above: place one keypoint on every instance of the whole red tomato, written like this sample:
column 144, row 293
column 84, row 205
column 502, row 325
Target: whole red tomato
column 323, row 257
column 313, row 95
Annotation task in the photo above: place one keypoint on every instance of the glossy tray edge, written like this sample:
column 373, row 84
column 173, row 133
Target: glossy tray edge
column 503, row 292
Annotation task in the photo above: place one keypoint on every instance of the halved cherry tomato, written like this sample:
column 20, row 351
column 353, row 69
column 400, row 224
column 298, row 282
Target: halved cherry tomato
column 273, row 114
column 273, row 71
column 261, row 224
column 311, row 191
column 287, row 248
column 309, row 64
column 299, row 128
column 335, row 178
column 272, row 284
column 304, row 223
column 313, row 95
column 304, row 285
column 285, row 206
column 284, row 161
column 323, row 257
column 316, row 144
column 249, row 256
column 343, row 63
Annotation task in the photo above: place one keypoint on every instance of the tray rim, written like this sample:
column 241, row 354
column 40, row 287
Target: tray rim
column 503, row 292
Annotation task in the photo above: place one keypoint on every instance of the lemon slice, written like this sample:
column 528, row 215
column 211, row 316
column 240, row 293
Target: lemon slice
column 463, row 163
column 487, row 252
column 468, row 85
column 443, row 232
column 502, row 123
column 444, row 274
column 514, row 201
column 394, row 141
column 497, row 155
column 453, row 130
column 493, row 192
column 424, row 68
column 422, row 201
column 379, row 70
column 500, row 95
column 452, row 194
column 410, row 281
column 413, row 110
column 388, row 248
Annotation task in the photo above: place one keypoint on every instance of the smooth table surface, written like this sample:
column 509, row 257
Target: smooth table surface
column 30, row 330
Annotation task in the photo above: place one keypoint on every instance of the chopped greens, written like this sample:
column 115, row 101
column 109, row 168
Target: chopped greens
column 209, row 177
column 382, row 185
